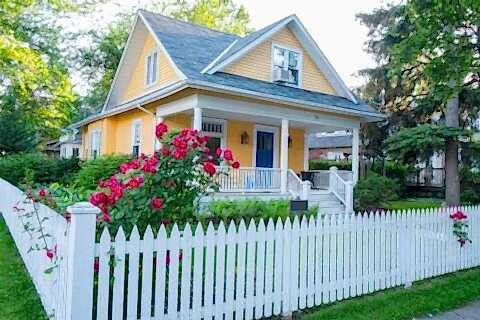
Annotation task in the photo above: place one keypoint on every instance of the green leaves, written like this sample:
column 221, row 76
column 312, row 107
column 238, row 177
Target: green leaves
column 419, row 143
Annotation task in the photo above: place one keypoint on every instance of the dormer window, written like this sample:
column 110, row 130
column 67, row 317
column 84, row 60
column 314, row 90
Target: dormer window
column 286, row 65
column 151, row 68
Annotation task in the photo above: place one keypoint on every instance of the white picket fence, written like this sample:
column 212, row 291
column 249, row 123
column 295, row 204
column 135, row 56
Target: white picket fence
column 253, row 271
column 51, row 287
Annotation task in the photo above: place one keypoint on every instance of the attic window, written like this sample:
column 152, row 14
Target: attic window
column 286, row 65
column 151, row 68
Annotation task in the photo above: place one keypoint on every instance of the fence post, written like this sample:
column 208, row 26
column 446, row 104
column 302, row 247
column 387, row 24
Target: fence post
column 409, row 242
column 80, row 257
column 332, row 179
column 348, row 197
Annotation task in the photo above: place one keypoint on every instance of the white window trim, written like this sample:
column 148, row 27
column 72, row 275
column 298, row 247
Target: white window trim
column 134, row 123
column 145, row 80
column 300, row 63
column 92, row 133
column 222, row 136
column 276, row 143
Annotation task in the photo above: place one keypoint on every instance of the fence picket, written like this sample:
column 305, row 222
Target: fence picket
column 147, row 271
column 269, row 268
column 250, row 270
column 260, row 270
column 186, row 263
column 240, row 284
column 119, row 276
column 277, row 297
column 220, row 272
column 103, row 275
column 210, row 240
column 230, row 271
column 160, row 277
column 133, row 247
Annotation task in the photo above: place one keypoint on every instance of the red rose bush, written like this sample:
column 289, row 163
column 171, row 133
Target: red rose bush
column 165, row 186
column 460, row 227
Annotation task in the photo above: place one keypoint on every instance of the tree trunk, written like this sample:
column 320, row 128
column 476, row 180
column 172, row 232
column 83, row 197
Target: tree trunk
column 452, row 180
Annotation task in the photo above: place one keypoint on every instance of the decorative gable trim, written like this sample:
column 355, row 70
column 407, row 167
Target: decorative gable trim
column 139, row 17
column 310, row 46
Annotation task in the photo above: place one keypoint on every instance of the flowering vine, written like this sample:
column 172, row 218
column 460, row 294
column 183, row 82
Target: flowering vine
column 460, row 226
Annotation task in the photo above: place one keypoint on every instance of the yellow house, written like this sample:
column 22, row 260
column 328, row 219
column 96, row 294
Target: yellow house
column 259, row 95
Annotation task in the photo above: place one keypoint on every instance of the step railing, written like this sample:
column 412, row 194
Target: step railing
column 342, row 189
column 296, row 187
column 320, row 178
column 249, row 179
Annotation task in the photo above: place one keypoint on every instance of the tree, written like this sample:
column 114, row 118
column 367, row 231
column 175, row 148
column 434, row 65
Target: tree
column 99, row 61
column 441, row 55
column 16, row 135
column 419, row 46
column 34, row 78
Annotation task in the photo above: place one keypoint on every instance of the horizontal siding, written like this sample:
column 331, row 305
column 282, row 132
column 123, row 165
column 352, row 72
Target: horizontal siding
column 257, row 64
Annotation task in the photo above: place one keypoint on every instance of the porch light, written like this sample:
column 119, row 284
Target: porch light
column 290, row 141
column 244, row 138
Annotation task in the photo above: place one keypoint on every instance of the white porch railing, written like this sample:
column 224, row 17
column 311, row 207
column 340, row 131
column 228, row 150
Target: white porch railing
column 320, row 178
column 296, row 187
column 342, row 189
column 249, row 179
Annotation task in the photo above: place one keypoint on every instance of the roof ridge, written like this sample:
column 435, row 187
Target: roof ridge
column 190, row 23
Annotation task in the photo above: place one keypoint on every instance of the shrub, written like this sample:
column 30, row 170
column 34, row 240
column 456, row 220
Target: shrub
column 41, row 168
column 374, row 191
column 324, row 164
column 98, row 169
column 250, row 209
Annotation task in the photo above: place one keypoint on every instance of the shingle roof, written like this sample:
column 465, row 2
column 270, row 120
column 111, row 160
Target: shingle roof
column 193, row 47
column 329, row 142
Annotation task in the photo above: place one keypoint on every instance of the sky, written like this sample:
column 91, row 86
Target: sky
column 331, row 23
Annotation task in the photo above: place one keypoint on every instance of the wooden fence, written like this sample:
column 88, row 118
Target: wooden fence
column 257, row 270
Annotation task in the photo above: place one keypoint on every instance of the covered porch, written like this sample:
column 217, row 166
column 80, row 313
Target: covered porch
column 271, row 143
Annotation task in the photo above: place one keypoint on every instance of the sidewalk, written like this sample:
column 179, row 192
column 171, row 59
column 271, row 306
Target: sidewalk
column 469, row 312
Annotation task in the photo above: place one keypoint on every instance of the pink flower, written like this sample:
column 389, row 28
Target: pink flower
column 134, row 164
column 459, row 215
column 50, row 254
column 124, row 167
column 42, row 193
column 135, row 182
column 107, row 218
column 228, row 155
column 156, row 203
column 98, row 198
column 206, row 150
column 165, row 151
column 236, row 165
column 218, row 152
column 209, row 168
column 160, row 130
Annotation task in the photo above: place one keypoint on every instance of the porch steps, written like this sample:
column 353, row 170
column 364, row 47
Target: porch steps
column 327, row 203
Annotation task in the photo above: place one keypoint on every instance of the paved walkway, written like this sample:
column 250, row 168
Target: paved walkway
column 469, row 312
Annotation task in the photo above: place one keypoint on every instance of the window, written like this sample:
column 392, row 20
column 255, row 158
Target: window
column 136, row 127
column 215, row 129
column 151, row 68
column 286, row 66
column 75, row 152
column 95, row 143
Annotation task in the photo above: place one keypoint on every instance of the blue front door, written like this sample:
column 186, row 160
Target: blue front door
column 264, row 155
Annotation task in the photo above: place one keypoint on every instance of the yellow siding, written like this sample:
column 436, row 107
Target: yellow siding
column 296, row 151
column 257, row 63
column 87, row 130
column 167, row 74
column 179, row 121
column 123, row 133
column 242, row 152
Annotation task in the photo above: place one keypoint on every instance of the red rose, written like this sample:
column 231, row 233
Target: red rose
column 165, row 151
column 98, row 198
column 160, row 130
column 206, row 150
column 50, row 254
column 195, row 145
column 124, row 167
column 209, row 168
column 42, row 193
column 228, row 155
column 107, row 218
column 135, row 182
column 134, row 164
column 236, row 165
column 218, row 152
column 156, row 203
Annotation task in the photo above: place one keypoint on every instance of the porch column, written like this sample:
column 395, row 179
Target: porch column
column 355, row 154
column 284, row 156
column 156, row 144
column 197, row 119
column 306, row 154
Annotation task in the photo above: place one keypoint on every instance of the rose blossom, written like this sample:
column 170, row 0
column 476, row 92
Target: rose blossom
column 218, row 152
column 236, row 165
column 228, row 155
column 42, row 193
column 156, row 203
column 209, row 168
column 160, row 130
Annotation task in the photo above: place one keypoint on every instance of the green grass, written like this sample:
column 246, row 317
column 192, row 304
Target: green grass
column 414, row 203
column 18, row 298
column 426, row 297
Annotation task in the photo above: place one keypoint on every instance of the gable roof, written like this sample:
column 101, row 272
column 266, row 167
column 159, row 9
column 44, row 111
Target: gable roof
column 192, row 48
column 334, row 141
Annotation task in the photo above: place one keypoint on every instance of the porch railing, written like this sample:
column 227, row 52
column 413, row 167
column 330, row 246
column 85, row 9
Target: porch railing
column 342, row 189
column 296, row 187
column 249, row 179
column 320, row 178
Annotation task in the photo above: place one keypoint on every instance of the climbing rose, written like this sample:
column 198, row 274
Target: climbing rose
column 160, row 130
column 209, row 168
column 218, row 152
column 236, row 165
column 459, row 215
column 42, row 192
column 50, row 254
column 98, row 198
column 228, row 155
column 165, row 151
column 106, row 217
column 124, row 167
column 156, row 203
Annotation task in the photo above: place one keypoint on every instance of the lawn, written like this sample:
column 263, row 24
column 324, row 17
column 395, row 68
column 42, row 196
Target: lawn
column 18, row 298
column 426, row 297
column 414, row 203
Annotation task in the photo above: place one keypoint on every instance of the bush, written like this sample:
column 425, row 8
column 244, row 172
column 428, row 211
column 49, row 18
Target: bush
column 324, row 164
column 250, row 209
column 98, row 169
column 42, row 169
column 374, row 192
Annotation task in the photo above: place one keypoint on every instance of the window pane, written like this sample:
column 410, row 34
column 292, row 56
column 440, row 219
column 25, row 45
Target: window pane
column 279, row 57
column 293, row 60
column 148, row 69
column 154, row 67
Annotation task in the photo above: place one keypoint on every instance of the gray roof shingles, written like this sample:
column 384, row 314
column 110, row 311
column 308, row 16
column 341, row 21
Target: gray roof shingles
column 193, row 47
column 329, row 142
